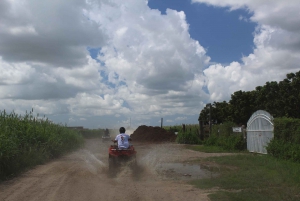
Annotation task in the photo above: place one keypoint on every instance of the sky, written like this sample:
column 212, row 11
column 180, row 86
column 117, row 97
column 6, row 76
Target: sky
column 113, row 63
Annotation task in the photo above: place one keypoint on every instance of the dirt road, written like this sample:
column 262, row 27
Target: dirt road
column 83, row 175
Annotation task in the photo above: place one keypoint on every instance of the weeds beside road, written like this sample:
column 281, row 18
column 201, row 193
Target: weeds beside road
column 26, row 141
column 249, row 176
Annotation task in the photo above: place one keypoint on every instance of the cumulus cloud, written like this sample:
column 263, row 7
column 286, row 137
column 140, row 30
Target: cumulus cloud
column 53, row 33
column 147, row 66
column 22, row 81
column 276, row 52
column 153, row 56
column 160, row 57
column 15, row 73
column 43, row 55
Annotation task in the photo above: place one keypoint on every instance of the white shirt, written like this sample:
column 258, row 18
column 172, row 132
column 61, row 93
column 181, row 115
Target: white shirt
column 122, row 139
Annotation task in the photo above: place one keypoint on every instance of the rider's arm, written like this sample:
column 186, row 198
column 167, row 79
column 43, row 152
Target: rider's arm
column 116, row 139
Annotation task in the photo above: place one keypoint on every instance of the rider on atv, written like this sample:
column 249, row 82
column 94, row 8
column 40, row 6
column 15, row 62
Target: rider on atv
column 106, row 133
column 122, row 139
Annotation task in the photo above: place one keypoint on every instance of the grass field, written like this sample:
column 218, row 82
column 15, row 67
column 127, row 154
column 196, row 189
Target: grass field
column 211, row 149
column 248, row 177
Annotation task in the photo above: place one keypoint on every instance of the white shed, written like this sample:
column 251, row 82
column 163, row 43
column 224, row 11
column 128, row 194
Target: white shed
column 260, row 129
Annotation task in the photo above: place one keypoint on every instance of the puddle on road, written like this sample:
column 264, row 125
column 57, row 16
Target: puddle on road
column 184, row 171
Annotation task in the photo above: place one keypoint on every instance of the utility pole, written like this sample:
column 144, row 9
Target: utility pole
column 210, row 124
column 209, row 107
column 161, row 122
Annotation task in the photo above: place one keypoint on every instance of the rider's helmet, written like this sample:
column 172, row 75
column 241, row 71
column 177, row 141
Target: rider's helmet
column 122, row 130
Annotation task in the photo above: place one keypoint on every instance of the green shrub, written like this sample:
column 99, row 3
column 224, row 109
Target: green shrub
column 285, row 144
column 235, row 142
column 26, row 141
column 173, row 128
column 211, row 140
column 287, row 129
column 223, row 136
column 224, row 129
column 284, row 150
column 232, row 142
column 187, row 137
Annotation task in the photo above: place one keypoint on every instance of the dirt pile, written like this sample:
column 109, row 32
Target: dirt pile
column 152, row 134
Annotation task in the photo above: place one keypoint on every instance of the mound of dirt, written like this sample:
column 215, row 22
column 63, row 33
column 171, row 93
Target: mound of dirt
column 152, row 134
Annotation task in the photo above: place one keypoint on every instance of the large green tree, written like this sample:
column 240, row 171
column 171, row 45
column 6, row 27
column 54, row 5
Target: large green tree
column 220, row 112
column 243, row 104
column 280, row 99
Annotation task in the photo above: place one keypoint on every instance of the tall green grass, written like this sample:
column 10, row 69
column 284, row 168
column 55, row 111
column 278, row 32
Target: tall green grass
column 26, row 141
column 189, row 136
column 223, row 136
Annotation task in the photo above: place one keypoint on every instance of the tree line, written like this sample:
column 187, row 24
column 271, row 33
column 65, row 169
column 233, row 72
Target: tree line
column 280, row 99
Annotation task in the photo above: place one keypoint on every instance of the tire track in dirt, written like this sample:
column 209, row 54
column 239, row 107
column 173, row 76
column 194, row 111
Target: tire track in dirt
column 84, row 175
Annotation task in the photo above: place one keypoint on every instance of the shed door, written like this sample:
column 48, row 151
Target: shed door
column 259, row 131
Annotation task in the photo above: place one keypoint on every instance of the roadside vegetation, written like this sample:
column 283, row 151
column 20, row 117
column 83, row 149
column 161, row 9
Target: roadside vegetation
column 250, row 177
column 187, row 135
column 26, row 141
column 286, row 141
column 212, row 149
column 280, row 99
column 222, row 137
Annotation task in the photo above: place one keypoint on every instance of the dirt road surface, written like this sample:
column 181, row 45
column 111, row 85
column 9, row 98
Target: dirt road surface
column 84, row 176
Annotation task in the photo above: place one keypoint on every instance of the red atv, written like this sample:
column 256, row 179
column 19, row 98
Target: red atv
column 118, row 156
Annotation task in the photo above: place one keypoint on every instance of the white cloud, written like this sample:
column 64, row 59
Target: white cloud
column 276, row 52
column 243, row 18
column 20, row 80
column 161, row 66
column 160, row 57
column 180, row 118
column 39, row 106
column 23, row 30
column 14, row 73
column 149, row 65
column 48, row 32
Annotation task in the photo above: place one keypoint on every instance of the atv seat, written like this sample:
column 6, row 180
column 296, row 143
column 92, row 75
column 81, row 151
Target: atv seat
column 117, row 148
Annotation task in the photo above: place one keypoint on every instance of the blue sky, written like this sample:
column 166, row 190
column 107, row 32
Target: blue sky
column 99, row 64
column 217, row 29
